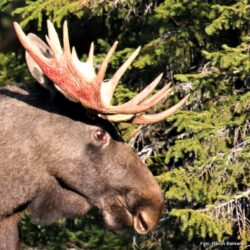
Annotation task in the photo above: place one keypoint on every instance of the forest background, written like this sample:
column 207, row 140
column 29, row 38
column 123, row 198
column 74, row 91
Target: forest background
column 201, row 155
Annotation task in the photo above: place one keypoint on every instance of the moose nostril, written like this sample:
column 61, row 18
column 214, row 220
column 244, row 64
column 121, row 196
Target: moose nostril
column 140, row 224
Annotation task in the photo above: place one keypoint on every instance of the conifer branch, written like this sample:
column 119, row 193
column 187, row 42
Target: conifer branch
column 236, row 211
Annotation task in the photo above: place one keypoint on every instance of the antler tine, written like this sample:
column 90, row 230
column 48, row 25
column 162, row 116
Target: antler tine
column 146, row 91
column 66, row 45
column 146, row 119
column 103, row 68
column 50, row 45
column 32, row 50
column 69, row 57
column 74, row 54
column 91, row 54
column 159, row 95
column 117, row 117
column 112, row 83
column 53, row 39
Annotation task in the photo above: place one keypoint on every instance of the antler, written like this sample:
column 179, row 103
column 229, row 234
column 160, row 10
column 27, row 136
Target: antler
column 78, row 80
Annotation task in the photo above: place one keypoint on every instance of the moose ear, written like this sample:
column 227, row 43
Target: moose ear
column 34, row 69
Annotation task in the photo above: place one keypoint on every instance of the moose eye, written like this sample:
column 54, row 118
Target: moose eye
column 101, row 135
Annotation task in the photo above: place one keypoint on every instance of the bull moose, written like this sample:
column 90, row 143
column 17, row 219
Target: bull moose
column 58, row 160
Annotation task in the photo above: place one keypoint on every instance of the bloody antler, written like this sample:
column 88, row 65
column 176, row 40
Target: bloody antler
column 79, row 82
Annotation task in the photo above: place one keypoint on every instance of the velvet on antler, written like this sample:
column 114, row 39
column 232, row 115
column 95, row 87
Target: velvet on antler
column 78, row 80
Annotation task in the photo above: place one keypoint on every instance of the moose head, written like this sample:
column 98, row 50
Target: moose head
column 54, row 165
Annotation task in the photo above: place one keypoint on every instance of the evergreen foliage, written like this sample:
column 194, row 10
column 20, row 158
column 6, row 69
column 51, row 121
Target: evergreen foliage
column 201, row 155
column 12, row 69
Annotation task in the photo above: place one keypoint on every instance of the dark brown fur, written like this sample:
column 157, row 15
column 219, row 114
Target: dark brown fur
column 52, row 165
